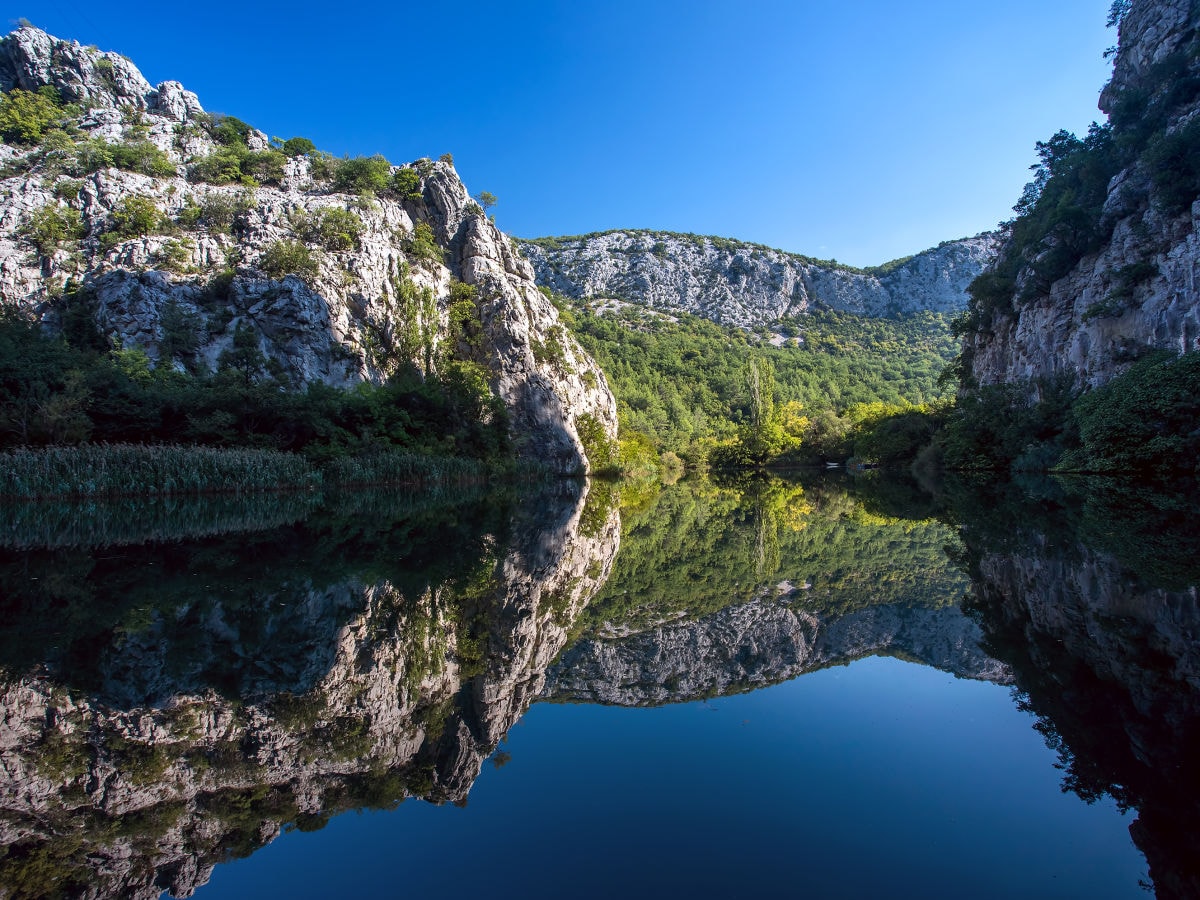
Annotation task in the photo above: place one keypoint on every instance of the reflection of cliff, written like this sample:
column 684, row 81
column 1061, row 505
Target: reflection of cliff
column 760, row 643
column 212, row 723
column 1110, row 662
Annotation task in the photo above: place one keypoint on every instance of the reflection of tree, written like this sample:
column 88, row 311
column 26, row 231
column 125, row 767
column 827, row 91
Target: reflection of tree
column 702, row 545
column 778, row 504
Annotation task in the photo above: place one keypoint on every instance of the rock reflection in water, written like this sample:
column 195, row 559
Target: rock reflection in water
column 1089, row 594
column 170, row 706
column 729, row 587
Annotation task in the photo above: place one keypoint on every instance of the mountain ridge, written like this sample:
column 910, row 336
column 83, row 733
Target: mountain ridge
column 750, row 285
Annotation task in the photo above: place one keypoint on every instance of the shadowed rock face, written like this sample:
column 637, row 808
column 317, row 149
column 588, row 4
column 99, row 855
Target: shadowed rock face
column 352, row 319
column 761, row 643
column 747, row 285
column 194, row 742
column 1106, row 651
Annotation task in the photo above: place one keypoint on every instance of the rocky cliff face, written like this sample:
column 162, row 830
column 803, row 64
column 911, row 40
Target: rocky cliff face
column 760, row 643
column 374, row 693
column 367, row 287
column 748, row 285
column 1138, row 291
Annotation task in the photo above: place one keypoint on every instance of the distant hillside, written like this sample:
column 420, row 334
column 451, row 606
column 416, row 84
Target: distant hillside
column 749, row 285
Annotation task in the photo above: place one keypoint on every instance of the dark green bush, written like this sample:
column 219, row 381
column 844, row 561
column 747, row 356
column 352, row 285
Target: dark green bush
column 222, row 166
column 1145, row 420
column 297, row 146
column 228, row 130
column 289, row 257
column 362, row 175
column 1174, row 162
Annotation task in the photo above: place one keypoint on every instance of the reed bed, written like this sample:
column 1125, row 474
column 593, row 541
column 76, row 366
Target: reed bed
column 145, row 519
column 114, row 470
column 105, row 471
column 403, row 468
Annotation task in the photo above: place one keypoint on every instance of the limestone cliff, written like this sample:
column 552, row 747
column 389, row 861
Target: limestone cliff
column 748, row 285
column 1132, row 286
column 135, row 195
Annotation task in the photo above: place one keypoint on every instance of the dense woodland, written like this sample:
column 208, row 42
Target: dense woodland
column 684, row 385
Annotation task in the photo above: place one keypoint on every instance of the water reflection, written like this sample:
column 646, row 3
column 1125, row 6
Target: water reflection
column 1087, row 590
column 182, row 685
column 724, row 587
column 171, row 705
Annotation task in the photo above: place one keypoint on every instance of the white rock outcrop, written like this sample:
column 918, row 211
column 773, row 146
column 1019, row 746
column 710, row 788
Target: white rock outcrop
column 748, row 285
column 342, row 323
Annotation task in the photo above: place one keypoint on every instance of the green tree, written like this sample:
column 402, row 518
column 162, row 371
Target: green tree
column 50, row 225
column 363, row 174
column 486, row 199
column 761, row 437
column 135, row 217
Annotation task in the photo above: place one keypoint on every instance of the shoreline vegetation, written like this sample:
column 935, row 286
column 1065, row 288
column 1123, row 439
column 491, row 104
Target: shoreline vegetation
column 94, row 471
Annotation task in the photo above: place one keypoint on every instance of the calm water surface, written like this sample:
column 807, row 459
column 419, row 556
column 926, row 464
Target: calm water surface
column 820, row 687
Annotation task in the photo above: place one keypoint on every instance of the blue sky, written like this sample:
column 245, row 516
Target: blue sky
column 860, row 130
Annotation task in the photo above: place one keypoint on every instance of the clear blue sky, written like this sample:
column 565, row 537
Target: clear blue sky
column 860, row 131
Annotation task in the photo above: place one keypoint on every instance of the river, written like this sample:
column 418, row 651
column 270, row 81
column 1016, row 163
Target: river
column 820, row 686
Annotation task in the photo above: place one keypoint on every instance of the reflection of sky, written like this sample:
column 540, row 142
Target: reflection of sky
column 881, row 778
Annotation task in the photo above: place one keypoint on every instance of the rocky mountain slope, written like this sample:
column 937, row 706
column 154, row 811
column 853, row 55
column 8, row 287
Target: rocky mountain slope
column 748, row 285
column 1132, row 286
column 191, row 234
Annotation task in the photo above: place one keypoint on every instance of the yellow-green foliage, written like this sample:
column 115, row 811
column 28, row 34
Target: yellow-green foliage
column 423, row 245
column 683, row 383
column 407, row 183
column 696, row 547
column 50, row 226
column 601, row 450
column 135, row 217
column 25, row 116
